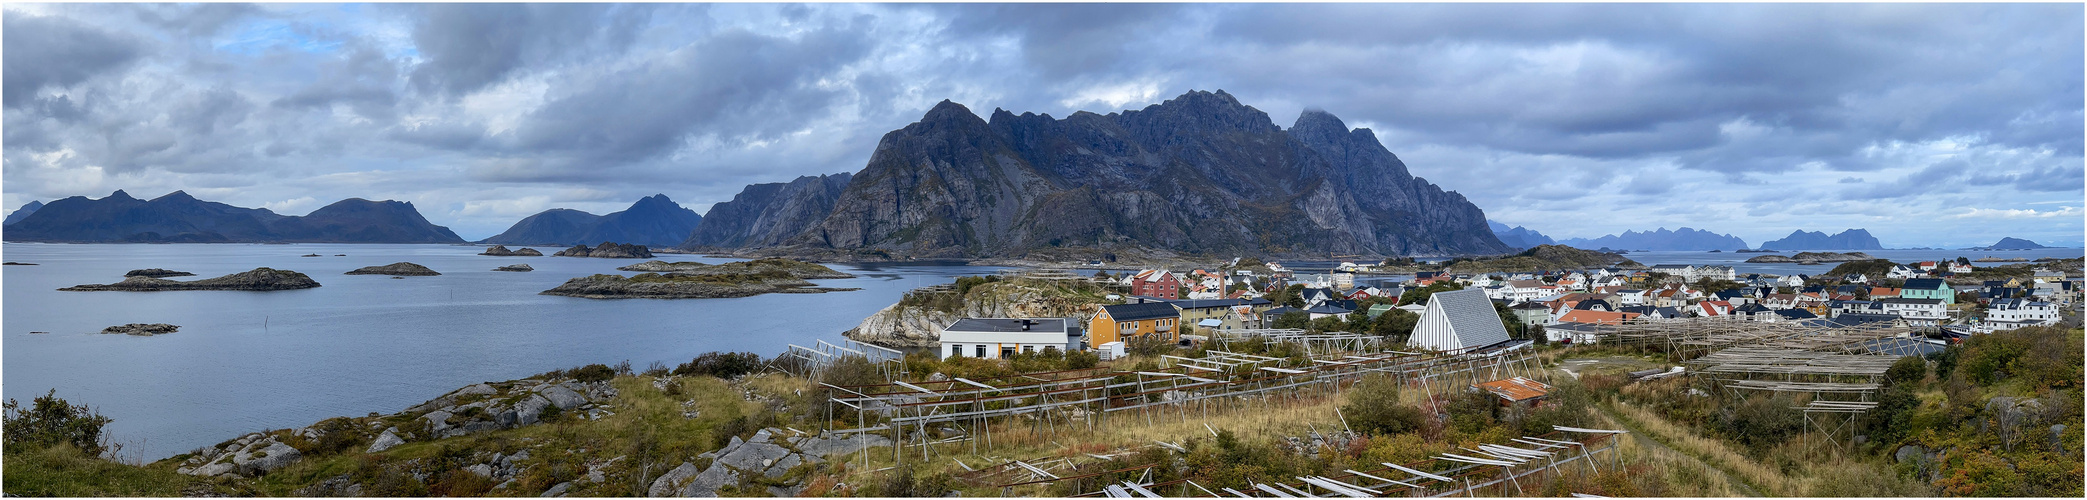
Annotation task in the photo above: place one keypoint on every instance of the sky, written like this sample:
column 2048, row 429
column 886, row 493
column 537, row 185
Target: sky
column 1928, row 125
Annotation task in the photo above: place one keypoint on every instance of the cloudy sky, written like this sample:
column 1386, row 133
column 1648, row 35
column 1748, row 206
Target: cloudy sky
column 1927, row 124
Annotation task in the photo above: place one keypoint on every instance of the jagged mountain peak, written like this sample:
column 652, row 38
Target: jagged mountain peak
column 177, row 195
column 119, row 195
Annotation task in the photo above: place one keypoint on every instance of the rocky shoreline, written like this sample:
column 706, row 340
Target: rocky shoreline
column 397, row 269
column 258, row 280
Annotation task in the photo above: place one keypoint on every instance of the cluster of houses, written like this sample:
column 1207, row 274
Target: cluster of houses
column 1162, row 304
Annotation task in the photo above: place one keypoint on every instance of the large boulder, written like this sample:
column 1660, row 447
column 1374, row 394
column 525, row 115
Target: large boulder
column 250, row 455
column 672, row 481
column 388, row 440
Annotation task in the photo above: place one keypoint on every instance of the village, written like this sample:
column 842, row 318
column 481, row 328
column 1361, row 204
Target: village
column 1931, row 299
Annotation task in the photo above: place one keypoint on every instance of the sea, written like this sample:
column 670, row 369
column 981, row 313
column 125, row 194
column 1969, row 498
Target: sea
column 251, row 361
column 1739, row 264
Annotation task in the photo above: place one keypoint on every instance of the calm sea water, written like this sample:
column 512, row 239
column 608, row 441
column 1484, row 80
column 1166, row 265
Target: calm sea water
column 248, row 361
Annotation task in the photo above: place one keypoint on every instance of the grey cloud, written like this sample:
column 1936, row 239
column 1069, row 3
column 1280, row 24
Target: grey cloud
column 471, row 46
column 217, row 107
column 363, row 79
column 45, row 51
column 199, row 20
column 731, row 86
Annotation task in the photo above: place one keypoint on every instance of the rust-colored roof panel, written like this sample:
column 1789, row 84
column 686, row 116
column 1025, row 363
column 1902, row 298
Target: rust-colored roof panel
column 1516, row 389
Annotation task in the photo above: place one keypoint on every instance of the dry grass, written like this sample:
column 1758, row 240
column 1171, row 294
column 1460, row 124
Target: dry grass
column 1761, row 477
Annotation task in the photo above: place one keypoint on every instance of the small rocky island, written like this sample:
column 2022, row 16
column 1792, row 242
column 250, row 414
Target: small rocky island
column 258, row 280
column 703, row 281
column 13, row 263
column 1811, row 258
column 141, row 329
column 397, row 269
column 156, row 273
column 502, row 251
column 517, row 268
column 801, row 270
column 607, row 250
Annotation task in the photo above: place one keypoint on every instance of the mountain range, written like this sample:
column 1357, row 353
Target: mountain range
column 654, row 221
column 1518, row 236
column 762, row 213
column 2011, row 243
column 1199, row 173
column 1852, row 239
column 1685, row 239
column 180, row 218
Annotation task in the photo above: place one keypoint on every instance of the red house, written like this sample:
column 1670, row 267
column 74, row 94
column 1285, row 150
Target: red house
column 1156, row 283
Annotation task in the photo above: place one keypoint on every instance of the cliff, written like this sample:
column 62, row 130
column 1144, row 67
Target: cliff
column 1201, row 173
column 917, row 320
column 180, row 218
column 762, row 213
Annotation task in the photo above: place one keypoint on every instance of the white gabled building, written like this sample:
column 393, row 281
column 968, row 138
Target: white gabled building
column 994, row 338
column 1461, row 319
column 2009, row 314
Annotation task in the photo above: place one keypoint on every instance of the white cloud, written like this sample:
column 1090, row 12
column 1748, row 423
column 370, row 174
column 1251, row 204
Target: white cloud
column 2003, row 213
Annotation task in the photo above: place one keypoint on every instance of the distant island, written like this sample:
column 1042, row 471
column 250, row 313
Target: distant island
column 259, row 279
column 2010, row 244
column 1852, row 239
column 502, row 251
column 180, row 218
column 397, row 269
column 653, row 221
column 1810, row 258
column 1685, row 239
column 607, row 250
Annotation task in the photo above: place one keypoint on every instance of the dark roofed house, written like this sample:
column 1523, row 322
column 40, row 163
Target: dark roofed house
column 1124, row 321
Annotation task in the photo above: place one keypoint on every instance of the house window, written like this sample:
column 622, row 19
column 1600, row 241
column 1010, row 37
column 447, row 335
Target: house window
column 1126, row 326
column 981, row 350
column 956, row 350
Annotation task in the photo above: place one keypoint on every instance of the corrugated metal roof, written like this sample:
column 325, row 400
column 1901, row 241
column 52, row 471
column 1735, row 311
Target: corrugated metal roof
column 1471, row 316
column 1516, row 389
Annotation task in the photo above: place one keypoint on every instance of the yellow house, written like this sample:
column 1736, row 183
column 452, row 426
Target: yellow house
column 1124, row 321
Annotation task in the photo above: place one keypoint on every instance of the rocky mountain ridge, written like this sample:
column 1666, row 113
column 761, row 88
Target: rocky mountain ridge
column 653, row 221
column 1852, row 239
column 1684, row 239
column 180, row 218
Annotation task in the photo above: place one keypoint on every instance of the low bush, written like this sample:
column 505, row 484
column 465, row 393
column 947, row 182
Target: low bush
column 50, row 421
column 724, row 365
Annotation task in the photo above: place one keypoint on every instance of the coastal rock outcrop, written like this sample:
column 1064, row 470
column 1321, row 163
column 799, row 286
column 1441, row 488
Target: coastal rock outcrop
column 397, row 269
column 141, row 329
column 518, row 268
column 797, row 269
column 769, row 456
column 685, row 286
column 918, row 320
column 250, row 455
column 156, row 273
column 502, row 251
column 259, row 279
column 607, row 250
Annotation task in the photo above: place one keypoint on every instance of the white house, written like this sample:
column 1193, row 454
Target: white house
column 2009, row 314
column 1899, row 272
column 1917, row 312
column 1461, row 319
column 994, row 338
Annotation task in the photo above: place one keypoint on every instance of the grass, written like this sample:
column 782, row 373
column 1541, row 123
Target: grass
column 1756, row 475
column 63, row 471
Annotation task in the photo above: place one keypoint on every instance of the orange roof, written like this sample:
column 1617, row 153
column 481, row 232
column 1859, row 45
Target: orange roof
column 1597, row 317
column 1882, row 291
column 1516, row 389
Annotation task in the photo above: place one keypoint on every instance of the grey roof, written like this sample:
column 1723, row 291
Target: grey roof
column 1924, row 284
column 1007, row 325
column 1148, row 310
column 1327, row 309
column 1796, row 314
column 1471, row 314
column 1900, row 300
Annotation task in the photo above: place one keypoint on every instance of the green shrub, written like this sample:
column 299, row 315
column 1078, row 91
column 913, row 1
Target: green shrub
column 50, row 421
column 1373, row 407
column 592, row 373
column 1907, row 371
column 724, row 365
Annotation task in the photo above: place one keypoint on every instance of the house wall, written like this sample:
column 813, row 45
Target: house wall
column 1104, row 329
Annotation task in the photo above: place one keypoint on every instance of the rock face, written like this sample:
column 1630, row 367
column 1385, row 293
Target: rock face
column 22, row 213
column 762, row 214
column 141, row 329
column 397, row 269
column 250, row 455
column 156, row 273
column 259, row 279
column 520, row 268
column 768, row 456
column 1852, row 239
column 796, row 269
column 180, row 218
column 502, row 251
column 654, row 220
column 1518, row 236
column 685, row 286
column 1686, row 239
column 607, row 250
column 1199, row 173
column 1811, row 258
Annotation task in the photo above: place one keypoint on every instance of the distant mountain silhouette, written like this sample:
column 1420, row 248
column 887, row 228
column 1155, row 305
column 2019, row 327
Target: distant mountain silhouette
column 1852, row 239
column 20, row 213
column 1518, row 236
column 180, row 218
column 1686, row 239
column 2012, row 244
column 654, row 221
column 770, row 210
